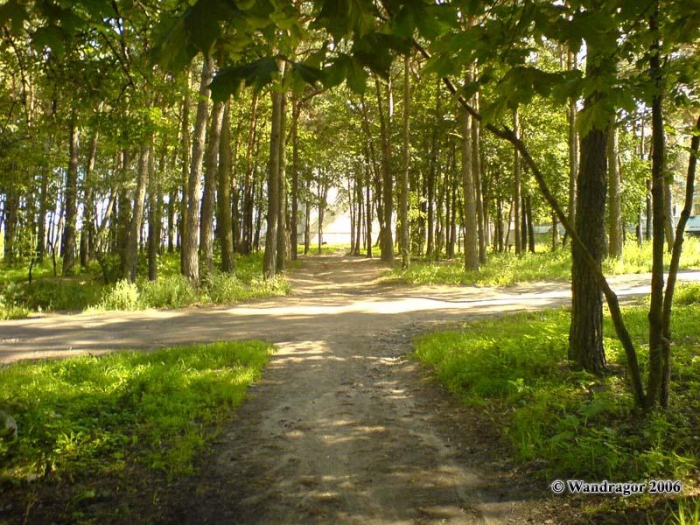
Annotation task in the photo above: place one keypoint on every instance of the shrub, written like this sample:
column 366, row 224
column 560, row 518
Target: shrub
column 122, row 296
column 173, row 291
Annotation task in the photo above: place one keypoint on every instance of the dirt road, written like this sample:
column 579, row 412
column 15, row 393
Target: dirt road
column 343, row 428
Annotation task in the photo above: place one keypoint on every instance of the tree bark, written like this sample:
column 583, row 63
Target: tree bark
column 185, row 134
column 387, row 243
column 516, row 188
column 273, row 188
column 206, row 233
column 224, row 222
column 573, row 147
column 405, row 235
column 153, row 216
column 69, row 233
column 476, row 169
column 615, row 216
column 586, row 332
column 296, row 110
column 471, row 250
column 281, row 258
column 658, row 154
column 87, row 234
column 190, row 267
column 132, row 244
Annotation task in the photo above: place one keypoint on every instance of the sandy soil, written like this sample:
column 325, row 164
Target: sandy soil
column 344, row 427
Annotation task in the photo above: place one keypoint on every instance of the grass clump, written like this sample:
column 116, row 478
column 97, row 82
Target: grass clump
column 570, row 422
column 83, row 418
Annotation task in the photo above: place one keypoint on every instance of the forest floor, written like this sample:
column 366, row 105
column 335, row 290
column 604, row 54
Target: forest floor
column 344, row 427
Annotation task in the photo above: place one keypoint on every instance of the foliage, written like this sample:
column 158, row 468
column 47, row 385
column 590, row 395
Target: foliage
column 88, row 418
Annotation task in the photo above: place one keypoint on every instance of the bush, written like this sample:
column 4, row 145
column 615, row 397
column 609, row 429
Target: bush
column 122, row 296
column 173, row 291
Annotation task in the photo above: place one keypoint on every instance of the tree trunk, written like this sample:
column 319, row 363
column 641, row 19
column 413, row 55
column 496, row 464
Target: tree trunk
column 206, row 234
column 430, row 204
column 190, row 267
column 387, row 243
column 405, row 235
column 280, row 262
column 185, row 133
column 249, row 187
column 658, row 153
column 530, row 225
column 615, row 216
column 573, row 147
column 153, row 216
column 476, row 169
column 296, row 110
column 586, row 332
column 224, row 224
column 668, row 211
column 132, row 243
column 516, row 188
column 273, row 188
column 471, row 250
column 69, row 233
column 87, row 233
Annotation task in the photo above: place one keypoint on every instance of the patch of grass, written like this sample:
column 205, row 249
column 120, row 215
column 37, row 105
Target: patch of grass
column 170, row 290
column 86, row 417
column 505, row 269
column 567, row 423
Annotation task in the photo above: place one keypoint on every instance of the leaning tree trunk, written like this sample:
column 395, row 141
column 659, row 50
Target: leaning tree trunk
column 224, row 222
column 190, row 255
column 586, row 331
column 206, row 233
column 69, row 233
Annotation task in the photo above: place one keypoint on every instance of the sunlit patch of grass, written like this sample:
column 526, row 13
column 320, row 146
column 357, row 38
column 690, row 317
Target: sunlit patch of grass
column 91, row 414
column 171, row 290
column 567, row 421
column 505, row 269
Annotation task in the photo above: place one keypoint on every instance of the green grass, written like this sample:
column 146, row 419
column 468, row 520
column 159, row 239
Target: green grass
column 171, row 290
column 505, row 269
column 84, row 418
column 568, row 423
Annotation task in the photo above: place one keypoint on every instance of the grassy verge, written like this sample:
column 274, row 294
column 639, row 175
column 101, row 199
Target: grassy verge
column 568, row 424
column 504, row 269
column 86, row 291
column 87, row 425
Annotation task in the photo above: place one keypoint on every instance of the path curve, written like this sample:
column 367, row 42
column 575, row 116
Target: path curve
column 343, row 428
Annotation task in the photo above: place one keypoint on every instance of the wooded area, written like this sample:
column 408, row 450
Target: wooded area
column 154, row 127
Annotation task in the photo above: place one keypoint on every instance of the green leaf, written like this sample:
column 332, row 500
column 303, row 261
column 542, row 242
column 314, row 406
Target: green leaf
column 310, row 75
column 202, row 23
column 258, row 74
column 14, row 13
column 51, row 37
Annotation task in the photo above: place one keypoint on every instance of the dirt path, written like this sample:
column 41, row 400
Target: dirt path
column 343, row 428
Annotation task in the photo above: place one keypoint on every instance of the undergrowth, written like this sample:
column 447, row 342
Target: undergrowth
column 567, row 423
column 504, row 269
column 83, row 418
column 18, row 298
